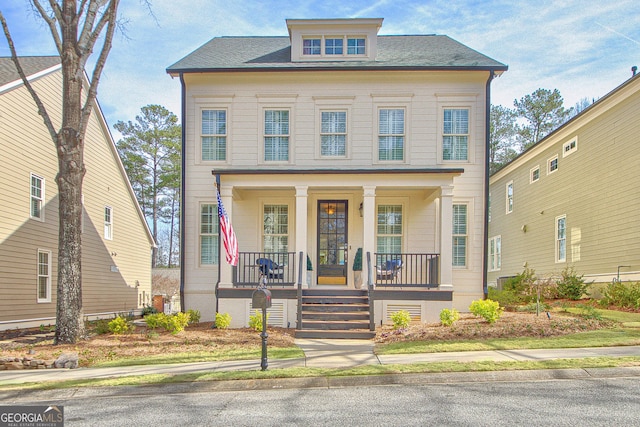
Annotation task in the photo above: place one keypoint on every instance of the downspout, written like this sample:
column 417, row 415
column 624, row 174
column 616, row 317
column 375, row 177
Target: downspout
column 183, row 112
column 485, row 245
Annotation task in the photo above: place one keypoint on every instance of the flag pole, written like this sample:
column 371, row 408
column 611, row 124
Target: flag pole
column 216, row 185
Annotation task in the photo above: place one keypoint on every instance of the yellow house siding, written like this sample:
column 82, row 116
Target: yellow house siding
column 595, row 187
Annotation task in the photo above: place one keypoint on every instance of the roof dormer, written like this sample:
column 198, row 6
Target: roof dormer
column 333, row 39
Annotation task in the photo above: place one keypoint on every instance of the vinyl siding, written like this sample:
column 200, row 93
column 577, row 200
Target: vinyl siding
column 595, row 187
column 25, row 138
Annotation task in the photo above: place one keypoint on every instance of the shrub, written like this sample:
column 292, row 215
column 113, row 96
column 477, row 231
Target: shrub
column 194, row 315
column 505, row 297
column 148, row 309
column 449, row 317
column 522, row 287
column 223, row 320
column 570, row 285
column 488, row 309
column 120, row 325
column 625, row 295
column 155, row 320
column 177, row 322
column 255, row 322
column 589, row 312
column 101, row 326
column 400, row 319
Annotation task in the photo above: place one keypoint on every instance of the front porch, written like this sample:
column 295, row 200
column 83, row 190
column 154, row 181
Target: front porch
column 392, row 282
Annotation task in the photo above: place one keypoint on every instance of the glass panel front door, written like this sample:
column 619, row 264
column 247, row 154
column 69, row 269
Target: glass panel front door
column 332, row 242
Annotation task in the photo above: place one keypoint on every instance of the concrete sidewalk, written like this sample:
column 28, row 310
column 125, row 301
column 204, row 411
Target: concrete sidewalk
column 318, row 353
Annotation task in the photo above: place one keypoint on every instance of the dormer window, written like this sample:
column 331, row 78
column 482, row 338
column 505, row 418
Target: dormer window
column 333, row 46
column 311, row 46
column 355, row 46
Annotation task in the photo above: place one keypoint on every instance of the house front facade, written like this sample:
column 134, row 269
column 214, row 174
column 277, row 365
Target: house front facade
column 116, row 242
column 571, row 200
column 327, row 144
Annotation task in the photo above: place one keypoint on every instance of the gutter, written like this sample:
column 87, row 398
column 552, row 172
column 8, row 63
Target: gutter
column 485, row 243
column 183, row 112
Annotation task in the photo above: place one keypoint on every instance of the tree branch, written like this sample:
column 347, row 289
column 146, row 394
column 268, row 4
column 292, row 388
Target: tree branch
column 50, row 20
column 42, row 111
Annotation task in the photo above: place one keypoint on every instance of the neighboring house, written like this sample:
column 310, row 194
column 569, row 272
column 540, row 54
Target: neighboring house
column 327, row 141
column 572, row 200
column 116, row 242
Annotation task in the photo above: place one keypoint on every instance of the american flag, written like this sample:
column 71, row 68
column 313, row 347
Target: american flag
column 228, row 235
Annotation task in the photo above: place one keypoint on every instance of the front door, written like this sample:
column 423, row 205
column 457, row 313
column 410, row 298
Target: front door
column 332, row 242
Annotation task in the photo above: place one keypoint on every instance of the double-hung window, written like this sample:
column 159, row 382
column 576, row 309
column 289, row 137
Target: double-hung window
column 44, row 276
column 37, row 197
column 108, row 223
column 509, row 197
column 275, row 238
column 455, row 134
column 208, row 234
column 391, row 134
column 561, row 238
column 214, row 135
column 495, row 253
column 276, row 135
column 460, row 235
column 389, row 229
column 333, row 133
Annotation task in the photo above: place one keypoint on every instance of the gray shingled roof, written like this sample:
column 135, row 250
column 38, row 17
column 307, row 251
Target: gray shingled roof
column 30, row 65
column 395, row 52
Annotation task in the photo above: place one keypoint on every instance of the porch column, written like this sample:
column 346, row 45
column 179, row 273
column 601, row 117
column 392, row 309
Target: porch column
column 446, row 237
column 301, row 229
column 369, row 232
column 226, row 270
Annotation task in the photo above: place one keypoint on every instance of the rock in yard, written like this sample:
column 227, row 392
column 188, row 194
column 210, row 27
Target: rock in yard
column 67, row 360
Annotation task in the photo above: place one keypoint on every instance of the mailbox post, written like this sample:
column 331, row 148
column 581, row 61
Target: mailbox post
column 261, row 298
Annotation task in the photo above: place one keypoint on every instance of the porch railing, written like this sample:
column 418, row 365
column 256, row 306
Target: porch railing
column 278, row 268
column 405, row 269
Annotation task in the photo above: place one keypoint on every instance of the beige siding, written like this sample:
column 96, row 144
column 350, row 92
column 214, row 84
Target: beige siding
column 422, row 94
column 24, row 136
column 595, row 187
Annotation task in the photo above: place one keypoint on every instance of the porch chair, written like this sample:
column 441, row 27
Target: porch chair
column 270, row 268
column 389, row 270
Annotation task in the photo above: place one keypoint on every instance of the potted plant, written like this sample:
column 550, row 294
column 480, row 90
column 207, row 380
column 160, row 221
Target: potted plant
column 309, row 270
column 357, row 269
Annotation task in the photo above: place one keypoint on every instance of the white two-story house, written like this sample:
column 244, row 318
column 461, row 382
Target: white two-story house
column 326, row 143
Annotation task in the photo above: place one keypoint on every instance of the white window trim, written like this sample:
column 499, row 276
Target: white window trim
column 557, row 240
column 549, row 171
column 495, row 258
column 531, row 171
column 509, row 206
column 225, row 108
column 48, row 298
column 345, row 40
column 456, row 102
column 285, row 106
column 41, row 198
column 567, row 149
column 329, row 109
column 109, row 235
column 467, row 260
column 199, row 234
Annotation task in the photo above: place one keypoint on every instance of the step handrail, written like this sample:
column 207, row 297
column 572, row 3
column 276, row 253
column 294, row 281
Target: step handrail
column 370, row 289
column 299, row 317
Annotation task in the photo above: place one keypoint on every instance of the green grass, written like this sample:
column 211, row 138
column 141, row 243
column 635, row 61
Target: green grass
column 203, row 356
column 628, row 319
column 368, row 370
column 599, row 338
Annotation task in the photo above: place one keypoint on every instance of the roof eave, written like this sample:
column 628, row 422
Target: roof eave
column 498, row 69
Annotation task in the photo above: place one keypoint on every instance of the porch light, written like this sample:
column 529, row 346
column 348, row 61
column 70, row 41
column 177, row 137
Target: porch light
column 360, row 209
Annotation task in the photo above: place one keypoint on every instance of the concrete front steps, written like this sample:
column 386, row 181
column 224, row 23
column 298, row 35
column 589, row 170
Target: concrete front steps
column 335, row 314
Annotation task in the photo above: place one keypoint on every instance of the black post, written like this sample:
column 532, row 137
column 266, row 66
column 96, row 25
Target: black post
column 264, row 364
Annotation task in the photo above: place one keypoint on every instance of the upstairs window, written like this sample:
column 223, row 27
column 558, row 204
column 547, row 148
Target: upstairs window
column 214, row 135
column 356, row 46
column 108, row 223
column 333, row 133
column 37, row 197
column 570, row 147
column 552, row 165
column 311, row 46
column 455, row 134
column 333, row 46
column 276, row 135
column 534, row 174
column 391, row 134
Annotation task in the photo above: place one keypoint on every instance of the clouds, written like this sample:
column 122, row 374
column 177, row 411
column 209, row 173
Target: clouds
column 584, row 48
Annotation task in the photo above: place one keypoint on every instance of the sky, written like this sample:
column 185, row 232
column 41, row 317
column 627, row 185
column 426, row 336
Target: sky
column 583, row 48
